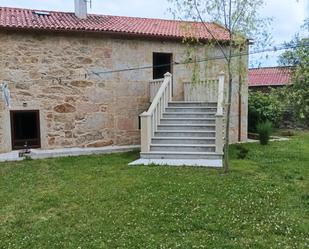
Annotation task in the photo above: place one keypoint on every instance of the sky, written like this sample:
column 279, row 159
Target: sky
column 288, row 15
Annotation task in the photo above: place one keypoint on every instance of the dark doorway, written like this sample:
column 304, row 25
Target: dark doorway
column 25, row 128
column 162, row 63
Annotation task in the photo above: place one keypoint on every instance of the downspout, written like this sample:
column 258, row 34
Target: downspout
column 239, row 94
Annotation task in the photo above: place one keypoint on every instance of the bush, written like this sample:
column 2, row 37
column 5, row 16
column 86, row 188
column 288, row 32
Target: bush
column 263, row 107
column 242, row 152
column 264, row 130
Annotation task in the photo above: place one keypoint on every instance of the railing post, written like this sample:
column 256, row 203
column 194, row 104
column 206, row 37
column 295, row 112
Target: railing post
column 219, row 115
column 145, row 131
column 220, row 93
column 169, row 75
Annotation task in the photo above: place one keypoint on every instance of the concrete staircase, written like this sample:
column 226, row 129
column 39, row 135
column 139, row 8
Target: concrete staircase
column 185, row 131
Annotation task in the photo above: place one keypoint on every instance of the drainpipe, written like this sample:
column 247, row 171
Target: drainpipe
column 239, row 95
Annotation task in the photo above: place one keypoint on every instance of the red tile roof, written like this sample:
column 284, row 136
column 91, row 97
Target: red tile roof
column 14, row 18
column 270, row 76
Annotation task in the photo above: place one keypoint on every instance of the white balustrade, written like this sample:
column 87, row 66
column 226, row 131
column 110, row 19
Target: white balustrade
column 154, row 86
column 206, row 90
column 151, row 118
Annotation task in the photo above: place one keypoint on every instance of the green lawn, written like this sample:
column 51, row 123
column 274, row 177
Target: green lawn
column 100, row 202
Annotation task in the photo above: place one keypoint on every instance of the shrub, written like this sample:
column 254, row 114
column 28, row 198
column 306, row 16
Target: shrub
column 264, row 130
column 242, row 152
column 263, row 107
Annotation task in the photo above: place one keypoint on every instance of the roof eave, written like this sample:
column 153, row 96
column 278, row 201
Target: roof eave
column 100, row 32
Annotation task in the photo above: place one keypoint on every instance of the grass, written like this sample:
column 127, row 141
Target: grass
column 100, row 202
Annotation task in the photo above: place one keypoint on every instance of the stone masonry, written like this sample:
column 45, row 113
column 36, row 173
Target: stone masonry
column 56, row 74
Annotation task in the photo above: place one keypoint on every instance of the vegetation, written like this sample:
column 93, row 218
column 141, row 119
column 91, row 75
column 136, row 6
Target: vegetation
column 297, row 56
column 264, row 107
column 264, row 130
column 101, row 202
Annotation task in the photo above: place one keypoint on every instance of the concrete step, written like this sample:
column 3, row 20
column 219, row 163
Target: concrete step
column 191, row 109
column 183, row 147
column 183, row 140
column 176, row 127
column 188, row 115
column 188, row 121
column 180, row 155
column 192, row 104
column 184, row 133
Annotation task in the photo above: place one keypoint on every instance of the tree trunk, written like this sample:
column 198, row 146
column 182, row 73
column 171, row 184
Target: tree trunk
column 227, row 123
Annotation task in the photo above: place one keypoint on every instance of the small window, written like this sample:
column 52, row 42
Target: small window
column 25, row 129
column 41, row 13
column 162, row 63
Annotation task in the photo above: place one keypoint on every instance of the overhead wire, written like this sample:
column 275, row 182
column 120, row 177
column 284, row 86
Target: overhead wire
column 90, row 72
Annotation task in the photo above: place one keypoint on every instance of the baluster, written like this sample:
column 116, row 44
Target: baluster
column 153, row 124
column 162, row 105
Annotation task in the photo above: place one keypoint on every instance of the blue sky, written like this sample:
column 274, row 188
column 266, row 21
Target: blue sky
column 288, row 15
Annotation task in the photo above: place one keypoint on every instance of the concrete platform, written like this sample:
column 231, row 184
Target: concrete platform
column 41, row 154
column 213, row 163
column 10, row 156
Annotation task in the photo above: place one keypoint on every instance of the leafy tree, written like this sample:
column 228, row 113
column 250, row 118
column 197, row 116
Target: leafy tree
column 240, row 18
column 297, row 56
column 264, row 107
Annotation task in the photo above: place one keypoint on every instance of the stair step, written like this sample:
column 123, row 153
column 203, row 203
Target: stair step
column 199, row 127
column 191, row 109
column 192, row 104
column 188, row 115
column 184, row 133
column 183, row 147
column 183, row 140
column 188, row 120
column 180, row 155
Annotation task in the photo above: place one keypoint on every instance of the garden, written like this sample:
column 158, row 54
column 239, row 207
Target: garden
column 101, row 202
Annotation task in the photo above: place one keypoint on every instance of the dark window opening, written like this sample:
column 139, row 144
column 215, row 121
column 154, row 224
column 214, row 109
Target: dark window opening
column 25, row 128
column 139, row 123
column 162, row 63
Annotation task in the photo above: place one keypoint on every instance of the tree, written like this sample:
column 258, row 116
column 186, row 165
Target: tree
column 240, row 18
column 297, row 56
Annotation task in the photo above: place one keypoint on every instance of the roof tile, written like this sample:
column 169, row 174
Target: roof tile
column 270, row 76
column 55, row 21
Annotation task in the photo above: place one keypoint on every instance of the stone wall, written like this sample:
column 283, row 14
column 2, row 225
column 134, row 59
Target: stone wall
column 46, row 72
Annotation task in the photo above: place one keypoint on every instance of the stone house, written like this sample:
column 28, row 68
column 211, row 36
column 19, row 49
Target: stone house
column 82, row 80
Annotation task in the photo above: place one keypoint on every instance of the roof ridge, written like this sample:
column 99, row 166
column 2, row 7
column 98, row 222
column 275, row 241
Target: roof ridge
column 271, row 67
column 95, row 14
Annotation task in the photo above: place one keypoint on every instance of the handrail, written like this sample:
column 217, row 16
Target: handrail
column 154, row 86
column 151, row 118
column 219, row 114
column 157, row 80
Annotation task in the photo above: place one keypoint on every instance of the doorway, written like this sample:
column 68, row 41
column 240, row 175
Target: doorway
column 25, row 129
column 162, row 63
